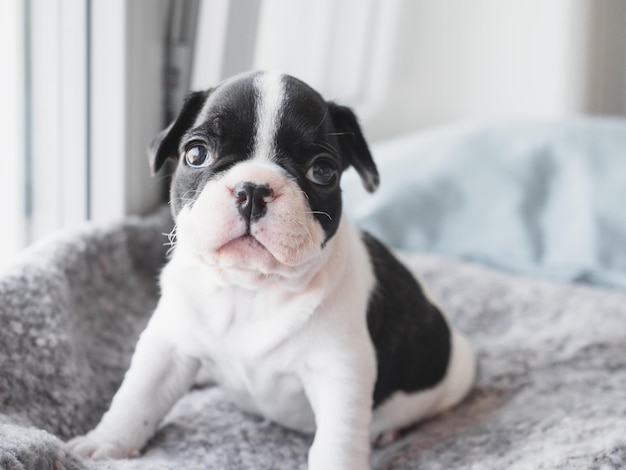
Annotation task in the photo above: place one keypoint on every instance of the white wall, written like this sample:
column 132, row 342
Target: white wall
column 483, row 59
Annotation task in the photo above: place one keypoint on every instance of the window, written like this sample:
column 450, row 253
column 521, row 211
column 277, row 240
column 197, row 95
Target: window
column 82, row 96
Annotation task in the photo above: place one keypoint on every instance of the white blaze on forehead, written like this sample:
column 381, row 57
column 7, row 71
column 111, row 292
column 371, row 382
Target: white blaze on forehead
column 270, row 91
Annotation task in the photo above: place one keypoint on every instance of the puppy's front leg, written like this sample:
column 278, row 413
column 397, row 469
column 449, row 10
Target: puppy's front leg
column 340, row 391
column 157, row 377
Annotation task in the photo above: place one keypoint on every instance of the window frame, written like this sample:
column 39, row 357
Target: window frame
column 56, row 124
column 127, row 86
column 11, row 125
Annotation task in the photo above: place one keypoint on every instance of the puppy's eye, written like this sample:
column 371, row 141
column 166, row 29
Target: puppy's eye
column 322, row 172
column 198, row 156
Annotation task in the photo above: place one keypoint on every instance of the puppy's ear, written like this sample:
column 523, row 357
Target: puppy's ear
column 352, row 145
column 165, row 144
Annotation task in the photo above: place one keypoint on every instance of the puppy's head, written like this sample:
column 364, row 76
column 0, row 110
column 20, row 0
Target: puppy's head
column 256, row 188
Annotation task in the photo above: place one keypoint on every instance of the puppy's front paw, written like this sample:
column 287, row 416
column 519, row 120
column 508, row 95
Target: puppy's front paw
column 96, row 446
column 327, row 457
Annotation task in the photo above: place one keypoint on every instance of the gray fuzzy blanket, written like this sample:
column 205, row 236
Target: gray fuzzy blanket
column 551, row 391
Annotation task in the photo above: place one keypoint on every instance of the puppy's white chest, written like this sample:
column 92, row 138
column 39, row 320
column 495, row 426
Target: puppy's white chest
column 262, row 388
column 246, row 342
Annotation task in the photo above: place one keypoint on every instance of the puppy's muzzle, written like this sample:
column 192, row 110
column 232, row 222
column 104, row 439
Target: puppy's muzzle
column 252, row 199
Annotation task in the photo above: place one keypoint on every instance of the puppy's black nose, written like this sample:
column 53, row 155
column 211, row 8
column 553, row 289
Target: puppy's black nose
column 252, row 199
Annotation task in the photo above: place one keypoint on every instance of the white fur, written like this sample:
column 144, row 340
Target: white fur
column 271, row 92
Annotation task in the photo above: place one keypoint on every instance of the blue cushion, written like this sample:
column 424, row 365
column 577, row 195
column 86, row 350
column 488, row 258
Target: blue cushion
column 545, row 199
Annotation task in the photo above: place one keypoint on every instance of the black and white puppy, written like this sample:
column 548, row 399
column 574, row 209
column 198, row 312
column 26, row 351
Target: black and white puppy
column 297, row 314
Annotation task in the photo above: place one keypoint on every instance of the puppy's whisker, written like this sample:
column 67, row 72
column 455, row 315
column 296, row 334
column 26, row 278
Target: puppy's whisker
column 340, row 133
column 182, row 199
column 293, row 179
column 328, row 147
column 164, row 177
column 191, row 191
column 321, row 213
column 171, row 240
column 323, row 120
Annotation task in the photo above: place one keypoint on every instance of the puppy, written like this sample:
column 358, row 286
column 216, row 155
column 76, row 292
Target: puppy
column 297, row 314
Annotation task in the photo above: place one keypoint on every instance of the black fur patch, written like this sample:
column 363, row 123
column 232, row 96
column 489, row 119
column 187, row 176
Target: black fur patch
column 228, row 129
column 411, row 337
column 305, row 133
